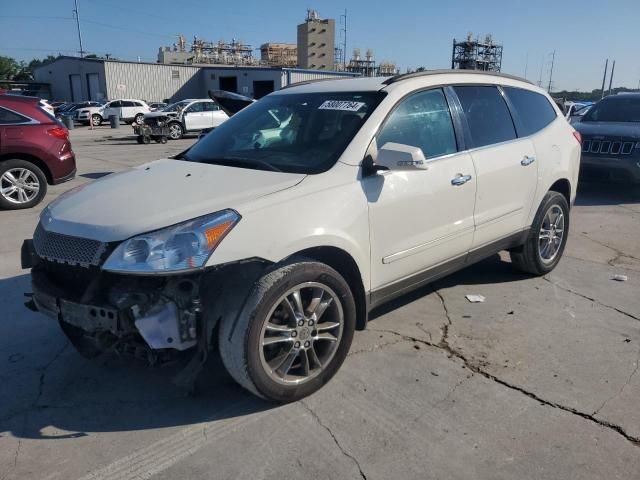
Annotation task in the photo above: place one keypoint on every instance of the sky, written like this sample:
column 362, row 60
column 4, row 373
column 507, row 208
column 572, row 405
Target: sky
column 411, row 33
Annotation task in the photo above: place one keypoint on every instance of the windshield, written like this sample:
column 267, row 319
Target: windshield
column 174, row 107
column 295, row 133
column 615, row 109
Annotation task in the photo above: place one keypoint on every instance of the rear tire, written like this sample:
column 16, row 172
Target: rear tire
column 139, row 119
column 311, row 337
column 22, row 184
column 96, row 120
column 547, row 237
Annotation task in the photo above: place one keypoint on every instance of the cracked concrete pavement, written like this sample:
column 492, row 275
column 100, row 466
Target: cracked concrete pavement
column 539, row 381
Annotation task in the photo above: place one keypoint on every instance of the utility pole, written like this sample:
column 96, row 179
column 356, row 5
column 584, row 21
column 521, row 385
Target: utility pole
column 526, row 65
column 613, row 67
column 344, row 40
column 541, row 68
column 553, row 60
column 604, row 77
column 77, row 15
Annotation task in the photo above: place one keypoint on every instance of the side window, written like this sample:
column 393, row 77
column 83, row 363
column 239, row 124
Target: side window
column 115, row 104
column 487, row 115
column 534, row 110
column 209, row 107
column 422, row 120
column 8, row 117
column 127, row 103
column 195, row 107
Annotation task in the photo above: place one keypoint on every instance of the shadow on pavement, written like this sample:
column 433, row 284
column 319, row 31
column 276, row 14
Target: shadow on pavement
column 603, row 192
column 491, row 270
column 95, row 175
column 47, row 386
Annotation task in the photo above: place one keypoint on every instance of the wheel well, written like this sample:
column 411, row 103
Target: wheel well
column 30, row 158
column 346, row 266
column 564, row 187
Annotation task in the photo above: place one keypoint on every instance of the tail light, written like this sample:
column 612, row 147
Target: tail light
column 59, row 132
column 577, row 136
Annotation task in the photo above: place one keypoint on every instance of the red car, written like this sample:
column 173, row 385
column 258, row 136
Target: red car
column 34, row 151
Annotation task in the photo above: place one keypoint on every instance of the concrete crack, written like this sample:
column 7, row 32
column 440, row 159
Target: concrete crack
column 374, row 348
column 445, row 328
column 335, row 440
column 594, row 300
column 43, row 373
column 619, row 253
column 635, row 370
column 17, row 452
column 475, row 368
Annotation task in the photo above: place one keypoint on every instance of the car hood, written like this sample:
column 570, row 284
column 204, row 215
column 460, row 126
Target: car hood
column 610, row 129
column 157, row 195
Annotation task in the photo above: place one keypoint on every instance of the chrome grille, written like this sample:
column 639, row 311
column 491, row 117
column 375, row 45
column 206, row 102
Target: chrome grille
column 60, row 248
column 611, row 147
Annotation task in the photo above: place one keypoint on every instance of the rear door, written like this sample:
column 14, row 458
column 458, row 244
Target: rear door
column 217, row 114
column 505, row 164
column 129, row 109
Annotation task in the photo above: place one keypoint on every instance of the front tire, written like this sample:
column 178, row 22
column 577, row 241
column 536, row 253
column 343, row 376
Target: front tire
column 22, row 184
column 175, row 131
column 139, row 119
column 293, row 333
column 547, row 237
column 96, row 120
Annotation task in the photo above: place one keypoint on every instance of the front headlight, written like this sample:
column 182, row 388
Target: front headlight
column 185, row 246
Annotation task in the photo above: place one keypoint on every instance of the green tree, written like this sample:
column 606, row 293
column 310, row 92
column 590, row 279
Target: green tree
column 8, row 68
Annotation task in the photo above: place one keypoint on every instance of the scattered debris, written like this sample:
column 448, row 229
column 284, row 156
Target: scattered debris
column 627, row 340
column 510, row 313
column 466, row 316
column 475, row 298
column 435, row 374
column 416, row 346
column 620, row 278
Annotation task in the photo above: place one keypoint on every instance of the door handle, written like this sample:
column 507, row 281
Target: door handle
column 460, row 179
column 527, row 160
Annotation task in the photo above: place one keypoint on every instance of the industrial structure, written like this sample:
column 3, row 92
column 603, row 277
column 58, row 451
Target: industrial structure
column 279, row 54
column 204, row 52
column 366, row 66
column 473, row 54
column 316, row 42
column 78, row 79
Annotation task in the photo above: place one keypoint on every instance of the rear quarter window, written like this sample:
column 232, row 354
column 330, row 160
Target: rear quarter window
column 534, row 110
column 7, row 117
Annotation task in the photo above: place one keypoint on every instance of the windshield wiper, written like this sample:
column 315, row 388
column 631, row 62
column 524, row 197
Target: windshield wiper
column 234, row 161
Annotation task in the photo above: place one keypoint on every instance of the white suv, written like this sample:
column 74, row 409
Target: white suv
column 128, row 110
column 190, row 115
column 285, row 226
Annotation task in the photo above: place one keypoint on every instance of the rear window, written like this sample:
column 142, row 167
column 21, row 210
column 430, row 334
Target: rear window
column 534, row 110
column 487, row 115
column 8, row 117
column 621, row 108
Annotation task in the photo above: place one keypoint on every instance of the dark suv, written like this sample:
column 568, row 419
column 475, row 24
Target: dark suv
column 611, row 138
column 34, row 151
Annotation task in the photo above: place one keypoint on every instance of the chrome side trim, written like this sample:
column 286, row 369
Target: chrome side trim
column 499, row 217
column 424, row 246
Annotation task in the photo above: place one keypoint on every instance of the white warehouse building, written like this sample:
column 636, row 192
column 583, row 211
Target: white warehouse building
column 77, row 79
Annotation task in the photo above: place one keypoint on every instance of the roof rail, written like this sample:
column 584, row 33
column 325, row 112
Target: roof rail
column 407, row 76
column 315, row 80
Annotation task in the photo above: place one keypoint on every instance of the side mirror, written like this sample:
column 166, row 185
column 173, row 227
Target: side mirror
column 400, row 157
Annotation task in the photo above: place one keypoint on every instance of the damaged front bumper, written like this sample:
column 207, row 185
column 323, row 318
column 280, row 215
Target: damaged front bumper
column 144, row 315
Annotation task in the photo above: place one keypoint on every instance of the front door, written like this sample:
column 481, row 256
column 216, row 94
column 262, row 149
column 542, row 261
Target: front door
column 420, row 219
column 195, row 118
column 505, row 165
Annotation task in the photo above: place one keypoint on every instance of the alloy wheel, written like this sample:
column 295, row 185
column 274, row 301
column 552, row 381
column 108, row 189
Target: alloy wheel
column 19, row 185
column 301, row 333
column 175, row 131
column 551, row 234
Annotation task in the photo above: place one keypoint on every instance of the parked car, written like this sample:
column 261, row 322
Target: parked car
column 191, row 115
column 611, row 138
column 127, row 110
column 71, row 109
column 34, row 151
column 281, row 229
column 575, row 111
column 47, row 106
column 156, row 106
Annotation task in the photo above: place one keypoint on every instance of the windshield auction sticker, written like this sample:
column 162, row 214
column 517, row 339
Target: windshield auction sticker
column 343, row 105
